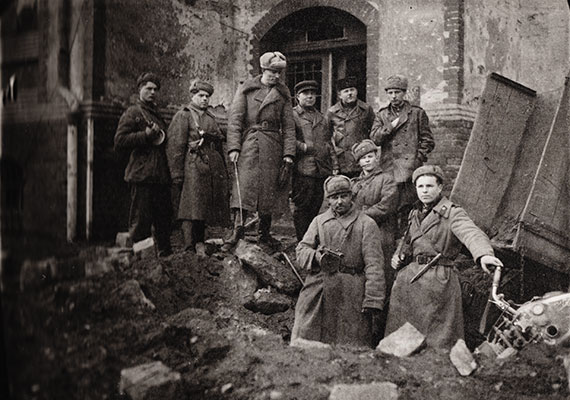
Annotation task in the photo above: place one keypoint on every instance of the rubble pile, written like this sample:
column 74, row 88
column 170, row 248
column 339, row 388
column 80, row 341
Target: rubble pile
column 219, row 327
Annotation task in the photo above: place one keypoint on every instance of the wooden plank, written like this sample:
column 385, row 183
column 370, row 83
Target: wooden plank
column 491, row 153
column 547, row 204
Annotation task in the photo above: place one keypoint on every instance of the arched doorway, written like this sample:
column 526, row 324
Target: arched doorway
column 321, row 43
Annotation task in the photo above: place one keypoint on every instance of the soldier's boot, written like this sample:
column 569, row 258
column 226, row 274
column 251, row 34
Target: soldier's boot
column 189, row 243
column 264, row 229
column 237, row 233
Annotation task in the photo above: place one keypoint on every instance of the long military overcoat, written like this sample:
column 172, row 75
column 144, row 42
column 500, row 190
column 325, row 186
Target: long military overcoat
column 433, row 303
column 329, row 307
column 376, row 194
column 347, row 128
column 406, row 146
column 147, row 162
column 197, row 161
column 313, row 131
column 262, row 129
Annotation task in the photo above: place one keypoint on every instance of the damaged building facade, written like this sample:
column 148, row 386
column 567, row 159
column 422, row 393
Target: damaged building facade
column 73, row 66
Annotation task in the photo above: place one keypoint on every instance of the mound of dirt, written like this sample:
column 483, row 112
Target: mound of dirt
column 71, row 339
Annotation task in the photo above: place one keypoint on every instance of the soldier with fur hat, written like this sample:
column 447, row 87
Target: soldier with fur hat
column 433, row 303
column 344, row 291
column 403, row 131
column 350, row 120
column 314, row 157
column 141, row 132
column 376, row 194
column 261, row 146
column 196, row 162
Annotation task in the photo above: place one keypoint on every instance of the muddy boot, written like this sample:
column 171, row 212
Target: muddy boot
column 201, row 250
column 237, row 234
column 189, row 244
column 265, row 237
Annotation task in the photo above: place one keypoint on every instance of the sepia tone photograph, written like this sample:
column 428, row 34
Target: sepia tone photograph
column 284, row 199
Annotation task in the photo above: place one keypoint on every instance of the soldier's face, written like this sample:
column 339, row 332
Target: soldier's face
column 340, row 203
column 307, row 98
column 148, row 92
column 396, row 96
column 368, row 161
column 270, row 77
column 348, row 95
column 201, row 99
column 428, row 189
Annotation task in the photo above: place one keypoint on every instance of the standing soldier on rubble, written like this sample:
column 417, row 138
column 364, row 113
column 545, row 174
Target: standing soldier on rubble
column 261, row 146
column 426, row 292
column 141, row 131
column 196, row 162
column 403, row 131
column 314, row 158
column 350, row 120
column 343, row 294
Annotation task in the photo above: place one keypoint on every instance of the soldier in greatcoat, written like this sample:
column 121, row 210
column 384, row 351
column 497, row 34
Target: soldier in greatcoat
column 344, row 292
column 141, row 132
column 197, row 167
column 350, row 121
column 313, row 162
column 432, row 304
column 376, row 194
column 261, row 142
column 403, row 131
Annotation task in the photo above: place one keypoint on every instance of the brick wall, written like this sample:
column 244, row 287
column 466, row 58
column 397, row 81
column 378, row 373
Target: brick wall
column 453, row 33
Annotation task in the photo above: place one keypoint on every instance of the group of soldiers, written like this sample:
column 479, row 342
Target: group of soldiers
column 357, row 183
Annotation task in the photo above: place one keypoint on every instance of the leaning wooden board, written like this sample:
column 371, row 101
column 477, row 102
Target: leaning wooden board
column 490, row 155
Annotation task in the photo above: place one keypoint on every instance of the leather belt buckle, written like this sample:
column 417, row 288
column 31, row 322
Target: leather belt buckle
column 423, row 259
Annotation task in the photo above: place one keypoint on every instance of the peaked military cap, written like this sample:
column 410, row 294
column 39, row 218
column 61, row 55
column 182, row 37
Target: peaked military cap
column 306, row 85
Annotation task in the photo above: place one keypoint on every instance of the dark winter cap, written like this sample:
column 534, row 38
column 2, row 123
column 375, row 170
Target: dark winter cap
column 148, row 77
column 306, row 85
column 362, row 148
column 397, row 82
column 428, row 170
column 337, row 184
column 345, row 83
column 196, row 85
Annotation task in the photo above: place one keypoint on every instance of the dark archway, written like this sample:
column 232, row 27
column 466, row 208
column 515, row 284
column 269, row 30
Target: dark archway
column 358, row 12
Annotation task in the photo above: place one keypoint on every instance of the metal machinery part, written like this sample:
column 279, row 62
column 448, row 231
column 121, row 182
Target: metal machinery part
column 542, row 319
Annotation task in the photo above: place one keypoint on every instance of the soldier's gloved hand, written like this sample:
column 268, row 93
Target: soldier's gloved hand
column 396, row 263
column 153, row 133
column 395, row 122
column 233, row 156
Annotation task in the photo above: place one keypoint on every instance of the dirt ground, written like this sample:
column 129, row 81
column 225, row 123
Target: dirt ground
column 70, row 339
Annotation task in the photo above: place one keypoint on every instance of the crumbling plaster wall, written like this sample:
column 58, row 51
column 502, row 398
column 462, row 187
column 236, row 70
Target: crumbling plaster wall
column 411, row 43
column 180, row 40
column 524, row 40
column 211, row 40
